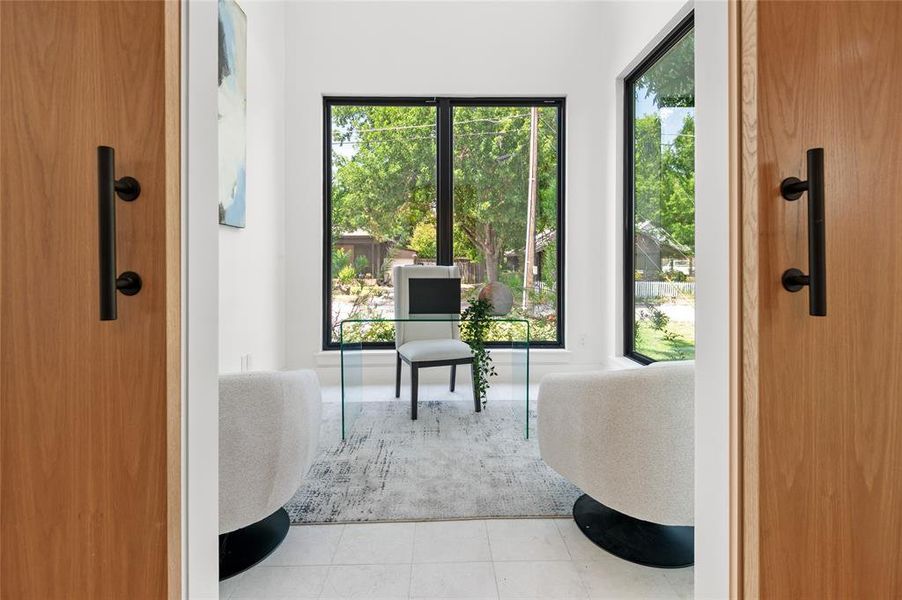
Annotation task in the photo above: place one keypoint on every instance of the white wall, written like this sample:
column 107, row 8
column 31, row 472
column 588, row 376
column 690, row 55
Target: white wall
column 642, row 26
column 252, row 260
column 234, row 291
column 712, row 301
column 460, row 49
column 201, row 171
column 712, row 243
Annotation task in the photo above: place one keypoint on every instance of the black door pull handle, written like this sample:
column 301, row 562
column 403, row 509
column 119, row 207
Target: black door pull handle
column 128, row 189
column 794, row 279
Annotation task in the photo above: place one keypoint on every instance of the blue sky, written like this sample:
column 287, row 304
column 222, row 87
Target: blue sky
column 671, row 118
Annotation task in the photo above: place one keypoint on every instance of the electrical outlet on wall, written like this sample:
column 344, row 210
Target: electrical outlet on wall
column 245, row 362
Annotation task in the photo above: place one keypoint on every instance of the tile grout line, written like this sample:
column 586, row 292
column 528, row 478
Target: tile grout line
column 675, row 584
column 413, row 548
column 573, row 563
column 563, row 539
column 488, row 538
column 337, row 544
column 677, row 590
column 236, row 586
column 331, row 566
column 322, row 586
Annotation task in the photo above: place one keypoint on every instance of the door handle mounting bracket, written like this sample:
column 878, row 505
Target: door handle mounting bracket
column 794, row 280
column 128, row 189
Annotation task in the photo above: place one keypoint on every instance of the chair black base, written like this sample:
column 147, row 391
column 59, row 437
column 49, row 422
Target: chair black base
column 641, row 542
column 415, row 374
column 243, row 548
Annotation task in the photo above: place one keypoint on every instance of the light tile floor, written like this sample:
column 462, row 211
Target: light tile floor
column 511, row 558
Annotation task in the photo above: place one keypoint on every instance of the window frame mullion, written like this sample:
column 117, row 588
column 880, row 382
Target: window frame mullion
column 444, row 213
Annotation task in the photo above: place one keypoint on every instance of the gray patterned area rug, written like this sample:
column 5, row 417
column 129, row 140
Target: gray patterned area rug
column 449, row 464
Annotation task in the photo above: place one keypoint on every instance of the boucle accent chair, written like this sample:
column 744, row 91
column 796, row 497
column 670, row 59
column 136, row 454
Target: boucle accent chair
column 626, row 438
column 268, row 432
column 427, row 344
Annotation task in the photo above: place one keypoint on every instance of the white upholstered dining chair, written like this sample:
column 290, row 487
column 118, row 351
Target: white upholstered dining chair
column 427, row 344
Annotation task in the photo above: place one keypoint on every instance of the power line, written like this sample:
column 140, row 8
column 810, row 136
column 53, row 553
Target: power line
column 414, row 139
column 432, row 125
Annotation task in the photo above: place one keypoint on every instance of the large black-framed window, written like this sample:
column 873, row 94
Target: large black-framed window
column 475, row 182
column 659, row 202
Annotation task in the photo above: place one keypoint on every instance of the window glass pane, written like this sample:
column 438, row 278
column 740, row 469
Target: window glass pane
column 505, row 209
column 383, row 206
column 664, row 197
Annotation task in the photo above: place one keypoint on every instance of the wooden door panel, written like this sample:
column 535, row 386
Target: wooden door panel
column 829, row 389
column 90, row 409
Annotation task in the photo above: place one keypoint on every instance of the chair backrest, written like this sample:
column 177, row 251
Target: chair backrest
column 408, row 331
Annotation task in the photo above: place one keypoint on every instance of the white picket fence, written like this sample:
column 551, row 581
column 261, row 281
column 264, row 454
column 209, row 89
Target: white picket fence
column 664, row 289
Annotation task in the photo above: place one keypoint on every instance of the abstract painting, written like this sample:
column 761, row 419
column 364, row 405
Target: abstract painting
column 232, row 113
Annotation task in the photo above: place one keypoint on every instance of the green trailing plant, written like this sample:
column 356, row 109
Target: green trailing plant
column 475, row 329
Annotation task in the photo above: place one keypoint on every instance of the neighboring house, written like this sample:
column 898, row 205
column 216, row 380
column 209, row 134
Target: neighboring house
column 545, row 240
column 656, row 252
column 380, row 256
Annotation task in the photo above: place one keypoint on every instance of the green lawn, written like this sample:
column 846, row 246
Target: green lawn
column 652, row 344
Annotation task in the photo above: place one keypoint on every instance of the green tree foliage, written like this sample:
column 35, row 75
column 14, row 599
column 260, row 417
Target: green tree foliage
column 664, row 179
column 423, row 242
column 384, row 162
column 360, row 264
column 678, row 193
column 664, row 185
column 423, row 239
column 340, row 259
column 664, row 168
column 383, row 170
column 671, row 81
column 491, row 178
column 648, row 169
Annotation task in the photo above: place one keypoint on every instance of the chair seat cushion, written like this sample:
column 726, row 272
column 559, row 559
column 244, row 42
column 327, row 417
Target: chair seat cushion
column 429, row 350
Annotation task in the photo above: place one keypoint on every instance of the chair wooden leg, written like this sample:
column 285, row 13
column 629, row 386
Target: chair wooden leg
column 414, row 385
column 453, row 376
column 398, row 376
column 476, row 401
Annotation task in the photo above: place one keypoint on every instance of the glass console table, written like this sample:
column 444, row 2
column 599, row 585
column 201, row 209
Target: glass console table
column 508, row 390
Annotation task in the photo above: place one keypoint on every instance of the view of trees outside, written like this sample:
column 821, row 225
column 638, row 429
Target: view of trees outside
column 504, row 208
column 383, row 191
column 664, row 196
